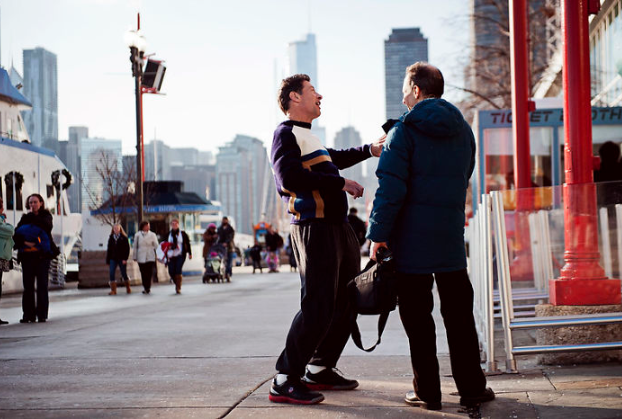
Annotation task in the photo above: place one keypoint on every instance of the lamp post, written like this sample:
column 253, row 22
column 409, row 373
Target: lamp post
column 137, row 44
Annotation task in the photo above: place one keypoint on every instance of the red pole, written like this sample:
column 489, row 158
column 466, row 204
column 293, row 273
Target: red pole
column 582, row 280
column 520, row 92
column 521, row 267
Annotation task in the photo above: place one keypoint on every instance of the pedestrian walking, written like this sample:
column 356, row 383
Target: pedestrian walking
column 210, row 236
column 274, row 242
column 33, row 239
column 117, row 254
column 255, row 254
column 226, row 233
column 327, row 251
column 145, row 245
column 178, row 251
column 6, row 247
column 357, row 225
column 418, row 213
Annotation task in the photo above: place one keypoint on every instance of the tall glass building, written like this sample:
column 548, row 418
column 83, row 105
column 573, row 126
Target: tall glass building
column 303, row 60
column 41, row 88
column 403, row 48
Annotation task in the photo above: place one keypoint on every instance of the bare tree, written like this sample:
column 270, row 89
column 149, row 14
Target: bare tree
column 488, row 72
column 111, row 191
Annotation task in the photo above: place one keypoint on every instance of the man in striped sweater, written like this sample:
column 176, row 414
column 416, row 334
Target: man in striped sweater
column 324, row 244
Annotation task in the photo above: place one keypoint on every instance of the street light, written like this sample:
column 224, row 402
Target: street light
column 137, row 44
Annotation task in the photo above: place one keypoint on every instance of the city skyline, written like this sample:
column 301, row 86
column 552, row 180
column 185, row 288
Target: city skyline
column 222, row 62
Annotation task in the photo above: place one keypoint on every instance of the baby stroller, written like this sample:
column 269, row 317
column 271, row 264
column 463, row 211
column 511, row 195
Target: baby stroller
column 215, row 263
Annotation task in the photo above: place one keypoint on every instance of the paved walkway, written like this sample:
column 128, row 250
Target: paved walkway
column 210, row 353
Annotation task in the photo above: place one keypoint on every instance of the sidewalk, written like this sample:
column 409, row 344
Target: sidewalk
column 210, row 353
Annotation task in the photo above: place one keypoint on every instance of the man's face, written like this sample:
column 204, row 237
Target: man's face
column 309, row 101
column 409, row 94
column 225, row 221
column 174, row 225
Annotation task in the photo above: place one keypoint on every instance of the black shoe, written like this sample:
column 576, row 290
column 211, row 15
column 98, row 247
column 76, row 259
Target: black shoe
column 146, row 291
column 294, row 392
column 3, row 322
column 412, row 399
column 26, row 320
column 328, row 379
column 42, row 320
column 485, row 396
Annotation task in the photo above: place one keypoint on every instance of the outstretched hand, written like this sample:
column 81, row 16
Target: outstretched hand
column 378, row 146
column 353, row 188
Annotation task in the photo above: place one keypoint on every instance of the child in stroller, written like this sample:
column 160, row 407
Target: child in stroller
column 215, row 263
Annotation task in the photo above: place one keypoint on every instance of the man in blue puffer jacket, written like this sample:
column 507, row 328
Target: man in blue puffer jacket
column 418, row 213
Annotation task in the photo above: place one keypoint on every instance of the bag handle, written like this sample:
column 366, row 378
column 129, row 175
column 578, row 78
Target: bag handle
column 356, row 333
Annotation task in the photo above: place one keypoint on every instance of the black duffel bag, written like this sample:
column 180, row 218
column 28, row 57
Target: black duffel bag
column 373, row 291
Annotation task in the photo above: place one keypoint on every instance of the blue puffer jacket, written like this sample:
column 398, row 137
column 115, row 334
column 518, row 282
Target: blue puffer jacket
column 423, row 175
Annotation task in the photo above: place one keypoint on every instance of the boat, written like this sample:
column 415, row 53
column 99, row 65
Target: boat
column 26, row 169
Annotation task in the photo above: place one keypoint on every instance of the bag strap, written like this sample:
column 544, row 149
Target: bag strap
column 356, row 333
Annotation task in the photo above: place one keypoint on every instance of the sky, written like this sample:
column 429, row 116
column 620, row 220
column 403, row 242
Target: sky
column 224, row 60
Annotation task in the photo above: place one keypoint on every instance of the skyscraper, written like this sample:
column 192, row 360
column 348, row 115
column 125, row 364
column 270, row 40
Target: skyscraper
column 243, row 182
column 403, row 48
column 349, row 137
column 303, row 60
column 41, row 87
column 73, row 161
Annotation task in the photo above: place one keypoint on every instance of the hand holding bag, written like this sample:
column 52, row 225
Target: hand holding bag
column 373, row 291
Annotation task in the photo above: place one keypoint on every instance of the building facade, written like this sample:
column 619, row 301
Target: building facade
column 244, row 183
column 403, row 48
column 100, row 162
column 606, row 54
column 41, row 88
column 303, row 60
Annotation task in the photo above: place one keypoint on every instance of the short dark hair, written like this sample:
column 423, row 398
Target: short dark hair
column 142, row 225
column 427, row 77
column 39, row 197
column 290, row 84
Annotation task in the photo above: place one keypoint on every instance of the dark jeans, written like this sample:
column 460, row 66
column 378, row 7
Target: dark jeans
column 146, row 272
column 34, row 269
column 328, row 257
column 415, row 307
column 229, row 264
column 122, row 267
column 175, row 264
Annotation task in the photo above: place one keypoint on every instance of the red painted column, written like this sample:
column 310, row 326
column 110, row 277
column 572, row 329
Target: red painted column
column 521, row 267
column 582, row 280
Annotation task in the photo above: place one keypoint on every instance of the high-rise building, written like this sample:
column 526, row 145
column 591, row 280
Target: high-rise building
column 41, row 88
column 303, row 60
column 200, row 179
column 73, row 161
column 403, row 48
column 244, row 184
column 100, row 160
column 349, row 137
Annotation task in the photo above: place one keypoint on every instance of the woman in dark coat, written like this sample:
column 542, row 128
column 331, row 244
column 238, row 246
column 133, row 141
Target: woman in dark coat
column 117, row 255
column 35, row 261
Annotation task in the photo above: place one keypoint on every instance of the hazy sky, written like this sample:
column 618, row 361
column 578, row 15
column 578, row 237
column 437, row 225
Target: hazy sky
column 223, row 59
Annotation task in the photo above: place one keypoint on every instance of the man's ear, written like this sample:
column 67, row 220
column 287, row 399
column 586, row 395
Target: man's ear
column 294, row 96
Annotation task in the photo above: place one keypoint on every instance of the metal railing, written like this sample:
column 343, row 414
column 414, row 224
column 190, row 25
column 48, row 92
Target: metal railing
column 506, row 300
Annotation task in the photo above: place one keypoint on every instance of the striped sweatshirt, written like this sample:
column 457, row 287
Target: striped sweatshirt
column 307, row 174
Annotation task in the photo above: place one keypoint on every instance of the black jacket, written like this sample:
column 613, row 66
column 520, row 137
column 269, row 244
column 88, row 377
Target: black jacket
column 43, row 220
column 118, row 249
column 186, row 249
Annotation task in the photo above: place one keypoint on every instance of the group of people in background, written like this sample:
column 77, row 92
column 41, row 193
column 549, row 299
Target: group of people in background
column 176, row 249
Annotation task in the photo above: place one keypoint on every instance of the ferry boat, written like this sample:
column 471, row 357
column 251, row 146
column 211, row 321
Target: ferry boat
column 26, row 169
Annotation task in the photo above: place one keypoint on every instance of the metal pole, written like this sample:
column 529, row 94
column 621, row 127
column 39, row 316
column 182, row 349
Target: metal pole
column 139, row 152
column 582, row 280
column 519, row 55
